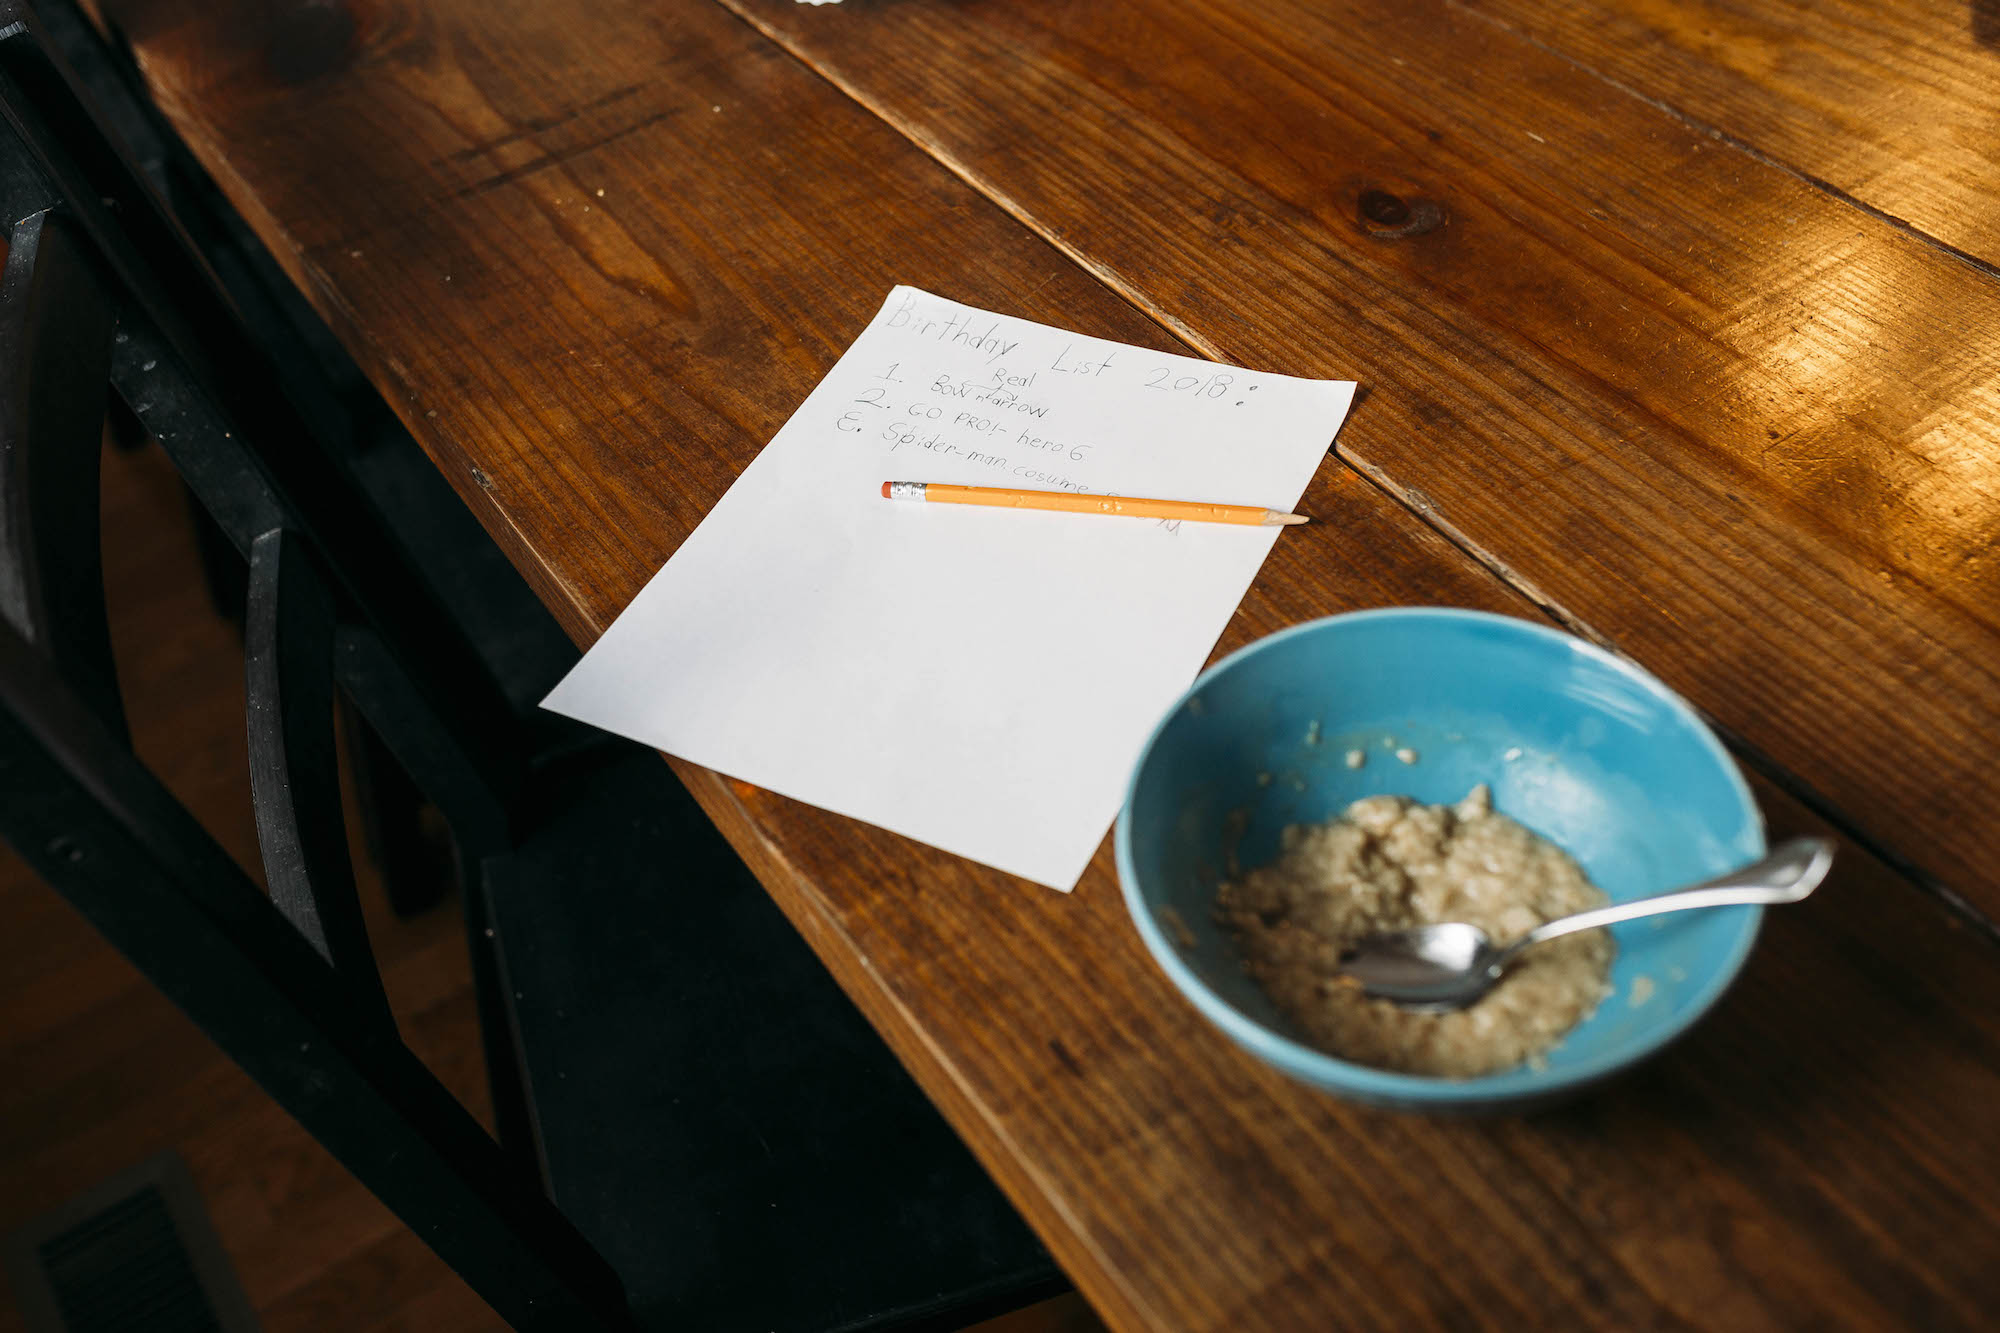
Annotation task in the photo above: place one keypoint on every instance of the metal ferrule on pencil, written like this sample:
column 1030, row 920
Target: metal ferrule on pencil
column 905, row 490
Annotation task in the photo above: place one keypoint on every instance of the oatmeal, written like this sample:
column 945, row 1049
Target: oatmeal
column 1386, row 863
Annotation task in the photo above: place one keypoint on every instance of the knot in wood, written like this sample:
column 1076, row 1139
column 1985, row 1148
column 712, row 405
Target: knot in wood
column 306, row 39
column 1389, row 215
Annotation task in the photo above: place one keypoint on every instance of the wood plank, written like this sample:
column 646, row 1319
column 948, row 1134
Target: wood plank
column 1775, row 1170
column 1744, row 432
column 1895, row 103
column 593, row 381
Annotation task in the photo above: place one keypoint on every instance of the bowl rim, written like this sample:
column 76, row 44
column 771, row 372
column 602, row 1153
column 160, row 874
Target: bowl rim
column 1520, row 1082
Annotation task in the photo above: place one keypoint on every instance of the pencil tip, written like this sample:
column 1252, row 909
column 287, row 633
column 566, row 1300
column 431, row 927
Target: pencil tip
column 1285, row 520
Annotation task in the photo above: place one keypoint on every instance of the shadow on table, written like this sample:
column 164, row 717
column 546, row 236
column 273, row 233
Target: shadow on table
column 1868, row 1004
column 1839, row 1099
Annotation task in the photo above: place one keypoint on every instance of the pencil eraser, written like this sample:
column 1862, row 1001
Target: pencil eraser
column 885, row 490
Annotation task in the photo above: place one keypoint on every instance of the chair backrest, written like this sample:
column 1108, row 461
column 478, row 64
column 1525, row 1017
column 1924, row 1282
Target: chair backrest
column 182, row 363
column 99, row 295
column 282, row 988
column 55, row 340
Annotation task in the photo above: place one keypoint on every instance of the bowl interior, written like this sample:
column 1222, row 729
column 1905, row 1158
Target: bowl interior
column 1576, row 744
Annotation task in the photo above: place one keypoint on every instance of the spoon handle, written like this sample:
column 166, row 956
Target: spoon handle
column 1785, row 876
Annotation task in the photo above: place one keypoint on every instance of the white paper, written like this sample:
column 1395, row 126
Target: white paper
column 979, row 679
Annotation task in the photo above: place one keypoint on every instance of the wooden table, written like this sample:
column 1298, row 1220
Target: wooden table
column 1678, row 325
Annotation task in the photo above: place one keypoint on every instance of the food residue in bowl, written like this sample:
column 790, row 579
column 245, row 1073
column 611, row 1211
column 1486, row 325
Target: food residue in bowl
column 1183, row 935
column 1387, row 863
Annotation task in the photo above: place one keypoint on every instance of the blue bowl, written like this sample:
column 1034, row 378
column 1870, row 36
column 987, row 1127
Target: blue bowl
column 1579, row 745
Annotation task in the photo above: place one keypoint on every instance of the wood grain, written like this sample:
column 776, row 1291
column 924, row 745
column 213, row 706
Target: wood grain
column 1895, row 103
column 1702, row 411
column 1763, row 1175
column 1818, row 1153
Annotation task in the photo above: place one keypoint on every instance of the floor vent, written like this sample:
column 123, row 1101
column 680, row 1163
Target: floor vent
column 136, row 1254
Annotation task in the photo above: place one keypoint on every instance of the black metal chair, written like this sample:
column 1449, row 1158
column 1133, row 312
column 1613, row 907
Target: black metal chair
column 725, row 1141
column 518, row 642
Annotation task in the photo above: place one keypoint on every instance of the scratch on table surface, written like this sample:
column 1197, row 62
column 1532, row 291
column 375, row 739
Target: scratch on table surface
column 538, row 125
column 561, row 156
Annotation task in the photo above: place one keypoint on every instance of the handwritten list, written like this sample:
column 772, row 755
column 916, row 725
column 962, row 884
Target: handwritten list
column 977, row 679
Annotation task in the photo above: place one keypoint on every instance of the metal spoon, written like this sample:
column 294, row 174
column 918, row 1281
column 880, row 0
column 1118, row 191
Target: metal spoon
column 1451, row 965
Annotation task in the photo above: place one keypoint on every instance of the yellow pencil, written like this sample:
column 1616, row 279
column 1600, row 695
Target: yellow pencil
column 1072, row 502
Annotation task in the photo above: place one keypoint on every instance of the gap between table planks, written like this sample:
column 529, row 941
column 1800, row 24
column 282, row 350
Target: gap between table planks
column 1691, row 405
column 592, row 383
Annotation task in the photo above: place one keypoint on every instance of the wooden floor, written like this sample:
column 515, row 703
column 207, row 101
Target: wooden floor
column 98, row 1072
